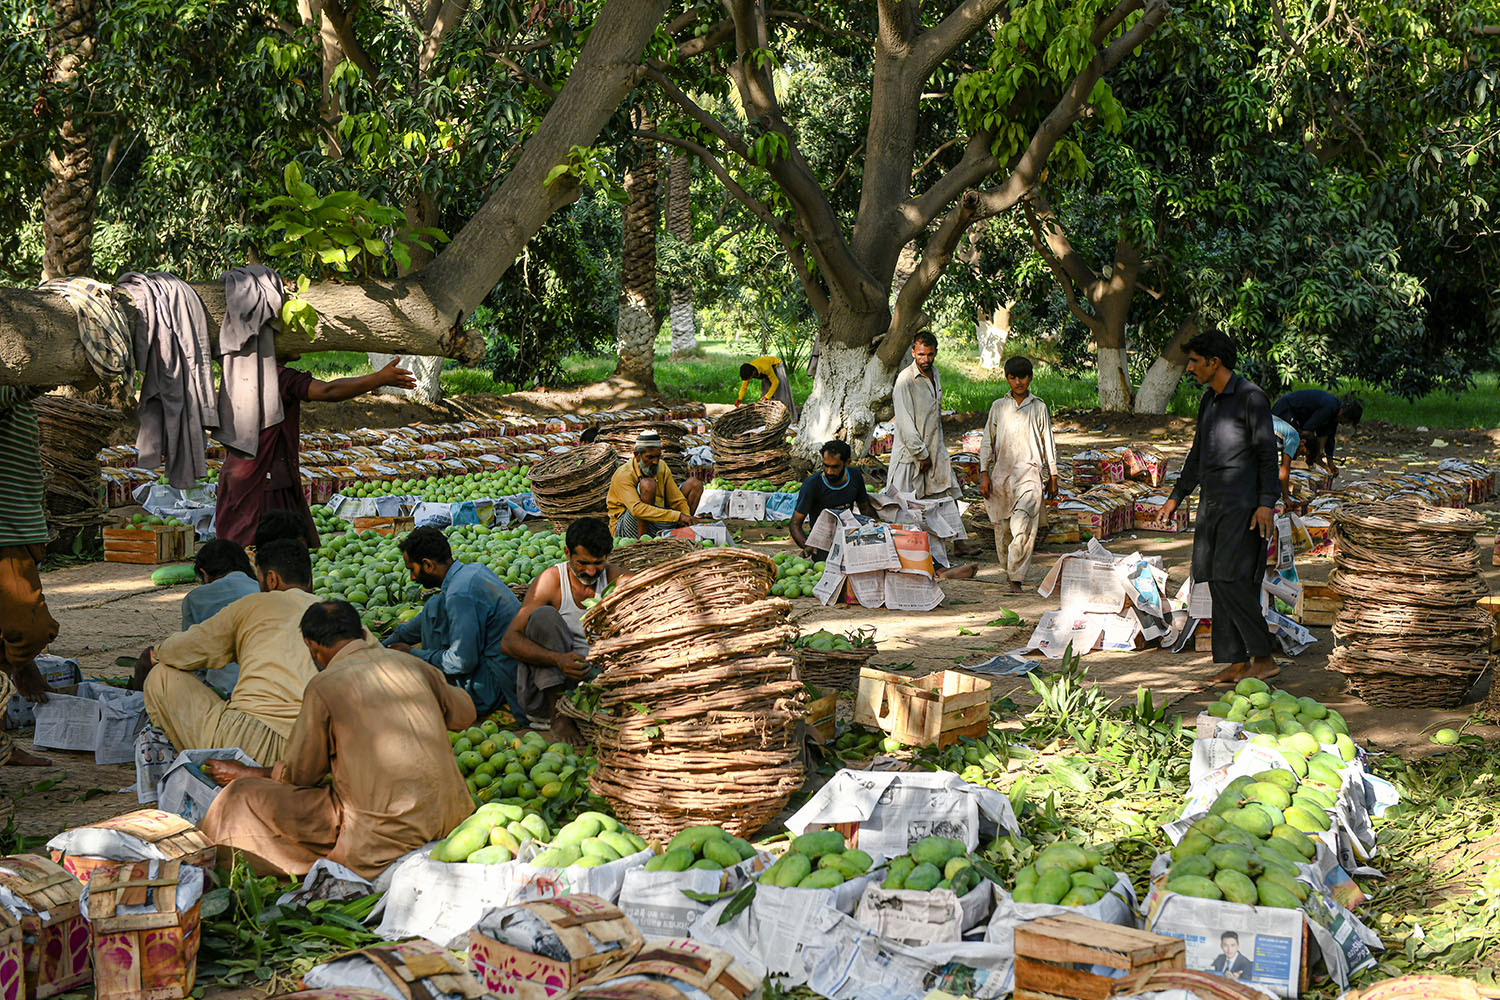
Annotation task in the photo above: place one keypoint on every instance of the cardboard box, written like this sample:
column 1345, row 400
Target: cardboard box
column 121, row 841
column 150, row 954
column 934, row 710
column 12, row 957
column 55, row 935
column 597, row 937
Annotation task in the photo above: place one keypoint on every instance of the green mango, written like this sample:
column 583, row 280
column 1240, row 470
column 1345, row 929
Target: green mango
column 926, row 876
column 1323, row 733
column 1236, row 887
column 1306, row 820
column 490, row 856
column 461, row 844
column 1196, row 864
column 1193, row 843
column 1345, row 747
column 823, row 878
column 936, row 851
column 1079, row 896
column 706, row 864
column 678, row 859
column 1288, row 882
column 621, row 844
column 1311, row 708
column 607, row 823
column 1232, row 834
column 1026, row 895
column 501, row 837
column 1027, row 876
column 1069, row 857
column 1194, row 885
column 536, row 826
column 578, row 831
column 1341, row 727
column 557, row 857
column 1274, row 894
column 721, row 852
column 1088, row 880
column 1052, row 885
column 1270, row 793
column 860, row 859
column 1251, row 685
column 841, row 863
column 1304, row 844
column 1252, row 821
column 897, row 871
column 1304, row 743
column 1218, row 710
column 595, row 847
column 1272, row 859
column 1260, row 699
column 1206, row 825
column 956, row 865
column 1277, row 776
column 693, row 837
column 966, row 880
column 1295, row 760
column 1233, row 857
column 818, row 843
column 790, row 869
column 745, row 848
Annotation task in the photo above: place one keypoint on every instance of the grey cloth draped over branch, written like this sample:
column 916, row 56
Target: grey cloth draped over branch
column 177, row 401
column 249, row 392
column 103, row 327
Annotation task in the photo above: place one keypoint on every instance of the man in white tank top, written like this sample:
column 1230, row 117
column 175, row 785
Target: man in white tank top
column 546, row 637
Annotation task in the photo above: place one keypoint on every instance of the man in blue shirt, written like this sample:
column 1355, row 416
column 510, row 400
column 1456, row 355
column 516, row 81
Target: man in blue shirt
column 225, row 573
column 836, row 488
column 1317, row 414
column 461, row 626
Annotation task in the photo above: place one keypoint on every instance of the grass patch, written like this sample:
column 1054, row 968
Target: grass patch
column 1476, row 408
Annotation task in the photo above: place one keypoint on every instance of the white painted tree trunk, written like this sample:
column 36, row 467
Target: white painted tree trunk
column 1114, row 379
column 635, row 336
column 992, row 330
column 427, row 372
column 851, row 386
column 684, row 325
column 1158, row 387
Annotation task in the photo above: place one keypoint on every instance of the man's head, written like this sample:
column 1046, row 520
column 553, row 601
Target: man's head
column 219, row 558
column 283, row 565
column 749, row 372
column 1351, row 410
column 427, row 555
column 1018, row 371
column 328, row 627
column 924, row 351
column 589, row 545
column 836, row 455
column 648, row 452
column 1209, row 354
column 277, row 524
column 1229, row 941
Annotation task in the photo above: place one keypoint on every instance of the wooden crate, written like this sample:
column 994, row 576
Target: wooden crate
column 708, row 970
column 923, row 711
column 1054, row 954
column 584, row 924
column 1491, row 606
column 150, row 955
column 1317, row 605
column 1203, row 638
column 57, row 947
column 416, row 969
column 384, row 525
column 148, row 544
column 12, row 957
column 173, row 837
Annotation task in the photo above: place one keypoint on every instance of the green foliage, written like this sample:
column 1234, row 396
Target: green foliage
column 590, row 168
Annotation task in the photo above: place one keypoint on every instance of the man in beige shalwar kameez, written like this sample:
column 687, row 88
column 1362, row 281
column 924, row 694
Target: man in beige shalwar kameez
column 376, row 720
column 920, row 466
column 1018, row 466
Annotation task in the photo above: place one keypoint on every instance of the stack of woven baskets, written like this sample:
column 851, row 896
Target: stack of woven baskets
column 750, row 443
column 622, row 434
column 574, row 484
column 1412, row 633
column 648, row 552
column 698, row 708
column 72, row 432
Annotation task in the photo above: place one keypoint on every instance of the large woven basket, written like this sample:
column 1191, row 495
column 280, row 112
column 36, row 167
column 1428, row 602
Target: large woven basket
column 1404, row 679
column 574, row 484
column 703, row 581
column 649, row 551
column 834, row 670
column 750, row 443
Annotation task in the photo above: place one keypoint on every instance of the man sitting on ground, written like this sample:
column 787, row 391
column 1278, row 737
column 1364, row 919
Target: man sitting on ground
column 460, row 627
column 259, row 632
column 225, row 575
column 643, row 497
column 836, row 488
column 376, row 722
column 546, row 636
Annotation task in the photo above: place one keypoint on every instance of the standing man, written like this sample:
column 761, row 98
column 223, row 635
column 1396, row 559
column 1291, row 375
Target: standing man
column 461, row 626
column 272, row 479
column 375, row 723
column 1017, row 466
column 643, row 496
column 836, row 488
column 774, row 382
column 26, row 626
column 1234, row 459
column 1317, row 414
column 546, row 637
column 920, row 465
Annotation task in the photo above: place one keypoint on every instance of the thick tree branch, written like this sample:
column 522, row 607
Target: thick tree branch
column 802, row 20
column 938, row 42
column 977, row 164
column 520, row 73
column 450, row 14
column 908, row 317
column 1047, row 235
column 719, row 34
column 1113, row 20
column 897, row 20
column 343, row 29
column 1069, row 108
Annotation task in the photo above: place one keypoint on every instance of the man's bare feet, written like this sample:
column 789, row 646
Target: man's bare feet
column 30, row 684
column 565, row 730
column 1263, row 668
column 20, row 758
column 1016, row 587
column 964, row 572
column 965, row 547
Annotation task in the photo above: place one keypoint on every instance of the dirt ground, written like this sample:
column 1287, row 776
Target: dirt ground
column 109, row 610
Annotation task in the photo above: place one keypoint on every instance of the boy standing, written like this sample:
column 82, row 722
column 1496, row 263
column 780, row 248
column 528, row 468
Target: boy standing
column 1018, row 465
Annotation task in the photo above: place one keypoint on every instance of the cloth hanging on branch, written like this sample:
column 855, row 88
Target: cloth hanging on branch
column 249, row 391
column 103, row 326
column 177, row 401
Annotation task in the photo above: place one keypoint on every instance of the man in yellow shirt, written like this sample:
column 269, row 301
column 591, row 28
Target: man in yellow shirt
column 643, row 496
column 262, row 633
column 774, row 382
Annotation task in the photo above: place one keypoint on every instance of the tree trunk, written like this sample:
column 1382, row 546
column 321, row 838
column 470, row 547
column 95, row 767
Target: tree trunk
column 992, row 330
column 421, row 213
column 1165, row 374
column 852, row 385
column 1111, row 300
column 635, row 331
column 68, row 198
column 680, row 225
column 1114, row 380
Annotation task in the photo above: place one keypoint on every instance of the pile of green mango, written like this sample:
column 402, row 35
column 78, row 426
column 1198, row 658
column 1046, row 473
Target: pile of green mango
column 708, row 847
column 1064, row 874
column 934, row 863
column 493, row 834
column 591, row 840
column 1279, row 718
column 817, row 860
column 1300, row 798
column 1216, row 859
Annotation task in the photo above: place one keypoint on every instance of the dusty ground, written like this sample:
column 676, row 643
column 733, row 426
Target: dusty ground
column 108, row 610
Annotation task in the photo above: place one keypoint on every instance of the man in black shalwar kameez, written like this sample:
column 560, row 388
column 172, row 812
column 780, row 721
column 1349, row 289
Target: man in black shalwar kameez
column 1234, row 460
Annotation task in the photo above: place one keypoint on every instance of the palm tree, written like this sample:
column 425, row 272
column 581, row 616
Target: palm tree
column 635, row 331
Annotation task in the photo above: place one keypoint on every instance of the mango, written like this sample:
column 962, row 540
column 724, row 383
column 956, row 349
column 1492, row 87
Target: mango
column 607, row 823
column 1270, row 793
column 706, row 864
column 792, row 868
column 461, row 844
column 747, row 849
column 1306, row 820
column 937, row 851
column 926, row 876
column 1295, row 760
column 1270, row 893
column 1197, row 864
column 721, row 852
column 1193, row 843
column 823, row 878
column 1288, row 882
column 860, row 859
column 1236, row 887
column 1336, row 720
column 818, row 843
column 1251, row 821
column 842, row 864
column 492, row 855
column 1068, row 857
column 1024, row 895
column 537, row 826
column 1304, row 743
column 897, row 871
column 623, row 846
column 693, row 837
column 1276, row 776
column 501, row 837
column 594, row 847
column 557, row 857
column 1026, row 876
column 1195, row 885
column 1052, row 885
column 1232, row 857
column 1345, row 747
column 1207, row 825
column 1251, row 685
column 1079, row 896
column 1218, row 710
column 966, row 880
column 1088, row 880
column 1272, row 860
column 1302, row 842
column 578, row 831
column 678, row 859
column 1312, row 708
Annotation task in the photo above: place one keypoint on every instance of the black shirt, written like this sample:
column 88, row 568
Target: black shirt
column 1234, row 456
column 816, row 495
column 1313, row 412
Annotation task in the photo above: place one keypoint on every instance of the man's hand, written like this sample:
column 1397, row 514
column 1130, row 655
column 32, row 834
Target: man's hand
column 30, row 684
column 225, row 771
column 925, row 465
column 1263, row 521
column 1050, row 490
column 572, row 665
column 689, row 520
column 984, row 485
column 398, row 378
column 400, row 647
column 1169, row 508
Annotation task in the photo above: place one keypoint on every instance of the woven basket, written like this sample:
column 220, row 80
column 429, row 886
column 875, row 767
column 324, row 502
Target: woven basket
column 574, row 484
column 835, row 670
column 1406, row 680
column 1423, row 988
column 648, row 552
column 750, row 443
column 703, row 581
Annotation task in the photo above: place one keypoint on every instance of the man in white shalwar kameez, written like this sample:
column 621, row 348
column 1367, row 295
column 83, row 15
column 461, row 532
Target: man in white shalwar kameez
column 920, row 466
column 1018, row 466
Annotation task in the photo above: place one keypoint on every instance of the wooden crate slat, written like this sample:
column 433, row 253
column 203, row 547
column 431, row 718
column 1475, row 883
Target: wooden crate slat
column 1050, row 951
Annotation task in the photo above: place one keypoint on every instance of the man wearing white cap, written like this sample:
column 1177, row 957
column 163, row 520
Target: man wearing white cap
column 643, row 496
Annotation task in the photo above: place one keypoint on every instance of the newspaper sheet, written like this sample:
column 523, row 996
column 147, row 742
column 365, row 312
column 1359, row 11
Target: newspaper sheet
column 655, row 903
column 748, row 505
column 1200, row 601
column 868, row 588
column 713, row 503
column 921, row 918
column 101, row 718
column 1056, row 631
column 868, row 548
column 1087, row 583
column 824, row 531
column 907, row 591
column 186, row 791
column 1118, row 632
column 59, row 673
column 154, row 753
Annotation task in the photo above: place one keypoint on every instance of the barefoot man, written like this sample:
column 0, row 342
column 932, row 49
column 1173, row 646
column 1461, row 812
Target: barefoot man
column 1233, row 459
